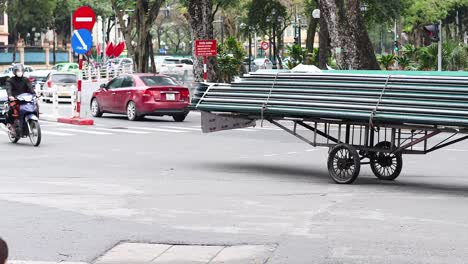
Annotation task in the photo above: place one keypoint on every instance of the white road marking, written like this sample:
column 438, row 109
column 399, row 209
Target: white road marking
column 123, row 131
column 56, row 133
column 183, row 128
column 85, row 131
column 457, row 150
column 268, row 128
column 159, row 129
column 270, row 155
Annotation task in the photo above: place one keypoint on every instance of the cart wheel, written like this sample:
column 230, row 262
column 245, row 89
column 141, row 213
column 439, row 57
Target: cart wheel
column 386, row 166
column 344, row 164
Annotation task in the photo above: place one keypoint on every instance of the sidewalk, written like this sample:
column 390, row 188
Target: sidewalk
column 144, row 253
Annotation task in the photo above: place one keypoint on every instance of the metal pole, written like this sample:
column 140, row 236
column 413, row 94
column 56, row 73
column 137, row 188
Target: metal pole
column 439, row 62
column 250, row 51
column 205, row 69
column 295, row 21
column 274, row 46
column 222, row 29
column 255, row 44
column 299, row 37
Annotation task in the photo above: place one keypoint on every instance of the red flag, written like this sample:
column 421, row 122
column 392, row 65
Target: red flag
column 119, row 49
column 110, row 49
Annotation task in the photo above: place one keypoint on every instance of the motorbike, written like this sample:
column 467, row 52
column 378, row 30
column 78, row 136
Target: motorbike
column 27, row 125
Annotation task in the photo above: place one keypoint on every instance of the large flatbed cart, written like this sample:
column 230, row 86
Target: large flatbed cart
column 352, row 144
column 361, row 118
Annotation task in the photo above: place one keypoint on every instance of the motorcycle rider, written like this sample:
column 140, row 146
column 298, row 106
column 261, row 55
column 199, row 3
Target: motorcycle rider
column 18, row 84
column 15, row 86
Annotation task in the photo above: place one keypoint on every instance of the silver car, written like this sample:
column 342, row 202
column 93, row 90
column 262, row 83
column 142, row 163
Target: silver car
column 65, row 83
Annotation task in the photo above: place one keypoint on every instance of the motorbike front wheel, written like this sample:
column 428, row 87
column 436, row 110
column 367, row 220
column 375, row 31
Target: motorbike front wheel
column 35, row 132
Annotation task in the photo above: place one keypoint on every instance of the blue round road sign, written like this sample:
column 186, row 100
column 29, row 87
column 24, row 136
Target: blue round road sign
column 81, row 41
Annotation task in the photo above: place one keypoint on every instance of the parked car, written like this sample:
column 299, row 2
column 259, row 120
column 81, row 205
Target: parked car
column 3, row 96
column 38, row 78
column 139, row 95
column 263, row 63
column 159, row 60
column 9, row 71
column 66, row 67
column 178, row 68
column 253, row 66
column 120, row 64
column 64, row 82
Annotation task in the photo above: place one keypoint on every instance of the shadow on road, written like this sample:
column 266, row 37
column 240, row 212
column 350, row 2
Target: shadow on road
column 278, row 171
column 284, row 172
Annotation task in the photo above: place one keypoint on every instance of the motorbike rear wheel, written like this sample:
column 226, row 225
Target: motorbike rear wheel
column 35, row 133
column 12, row 136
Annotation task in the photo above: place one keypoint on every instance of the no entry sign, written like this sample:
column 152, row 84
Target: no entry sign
column 84, row 18
column 205, row 48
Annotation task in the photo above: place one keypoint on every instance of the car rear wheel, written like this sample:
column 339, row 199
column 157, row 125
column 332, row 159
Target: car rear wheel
column 95, row 108
column 132, row 112
column 179, row 118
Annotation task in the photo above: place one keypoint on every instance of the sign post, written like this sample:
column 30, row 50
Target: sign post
column 205, row 49
column 83, row 21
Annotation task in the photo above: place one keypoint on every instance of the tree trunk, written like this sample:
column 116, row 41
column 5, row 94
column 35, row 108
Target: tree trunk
column 349, row 38
column 109, row 29
column 151, row 54
column 201, row 24
column 324, row 42
column 311, row 29
column 54, row 50
column 15, row 45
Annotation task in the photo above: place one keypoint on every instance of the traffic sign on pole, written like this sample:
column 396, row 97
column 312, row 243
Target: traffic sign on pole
column 84, row 18
column 82, row 41
column 265, row 45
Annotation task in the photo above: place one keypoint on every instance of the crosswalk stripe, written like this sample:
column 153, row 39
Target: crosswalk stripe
column 183, row 128
column 267, row 128
column 158, row 129
column 236, row 129
column 244, row 129
column 123, row 131
column 56, row 133
column 85, row 131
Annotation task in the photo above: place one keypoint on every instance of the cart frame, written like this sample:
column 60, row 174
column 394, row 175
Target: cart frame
column 351, row 143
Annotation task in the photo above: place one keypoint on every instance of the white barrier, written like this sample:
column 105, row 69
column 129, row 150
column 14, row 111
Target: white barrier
column 104, row 74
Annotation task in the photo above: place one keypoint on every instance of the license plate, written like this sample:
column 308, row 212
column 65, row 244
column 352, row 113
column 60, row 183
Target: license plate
column 170, row 97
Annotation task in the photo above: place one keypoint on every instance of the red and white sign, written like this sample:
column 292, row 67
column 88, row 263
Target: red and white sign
column 265, row 45
column 204, row 48
column 84, row 18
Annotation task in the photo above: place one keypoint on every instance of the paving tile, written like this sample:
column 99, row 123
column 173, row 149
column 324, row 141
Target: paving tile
column 246, row 254
column 188, row 255
column 40, row 262
column 133, row 253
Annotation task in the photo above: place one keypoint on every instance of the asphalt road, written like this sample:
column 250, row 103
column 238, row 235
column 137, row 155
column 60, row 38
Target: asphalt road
column 86, row 189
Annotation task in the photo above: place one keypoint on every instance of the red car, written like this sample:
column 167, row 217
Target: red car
column 139, row 95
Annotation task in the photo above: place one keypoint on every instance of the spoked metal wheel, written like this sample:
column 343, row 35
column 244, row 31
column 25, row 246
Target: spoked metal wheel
column 132, row 112
column 35, row 132
column 344, row 164
column 386, row 166
column 95, row 111
column 11, row 134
